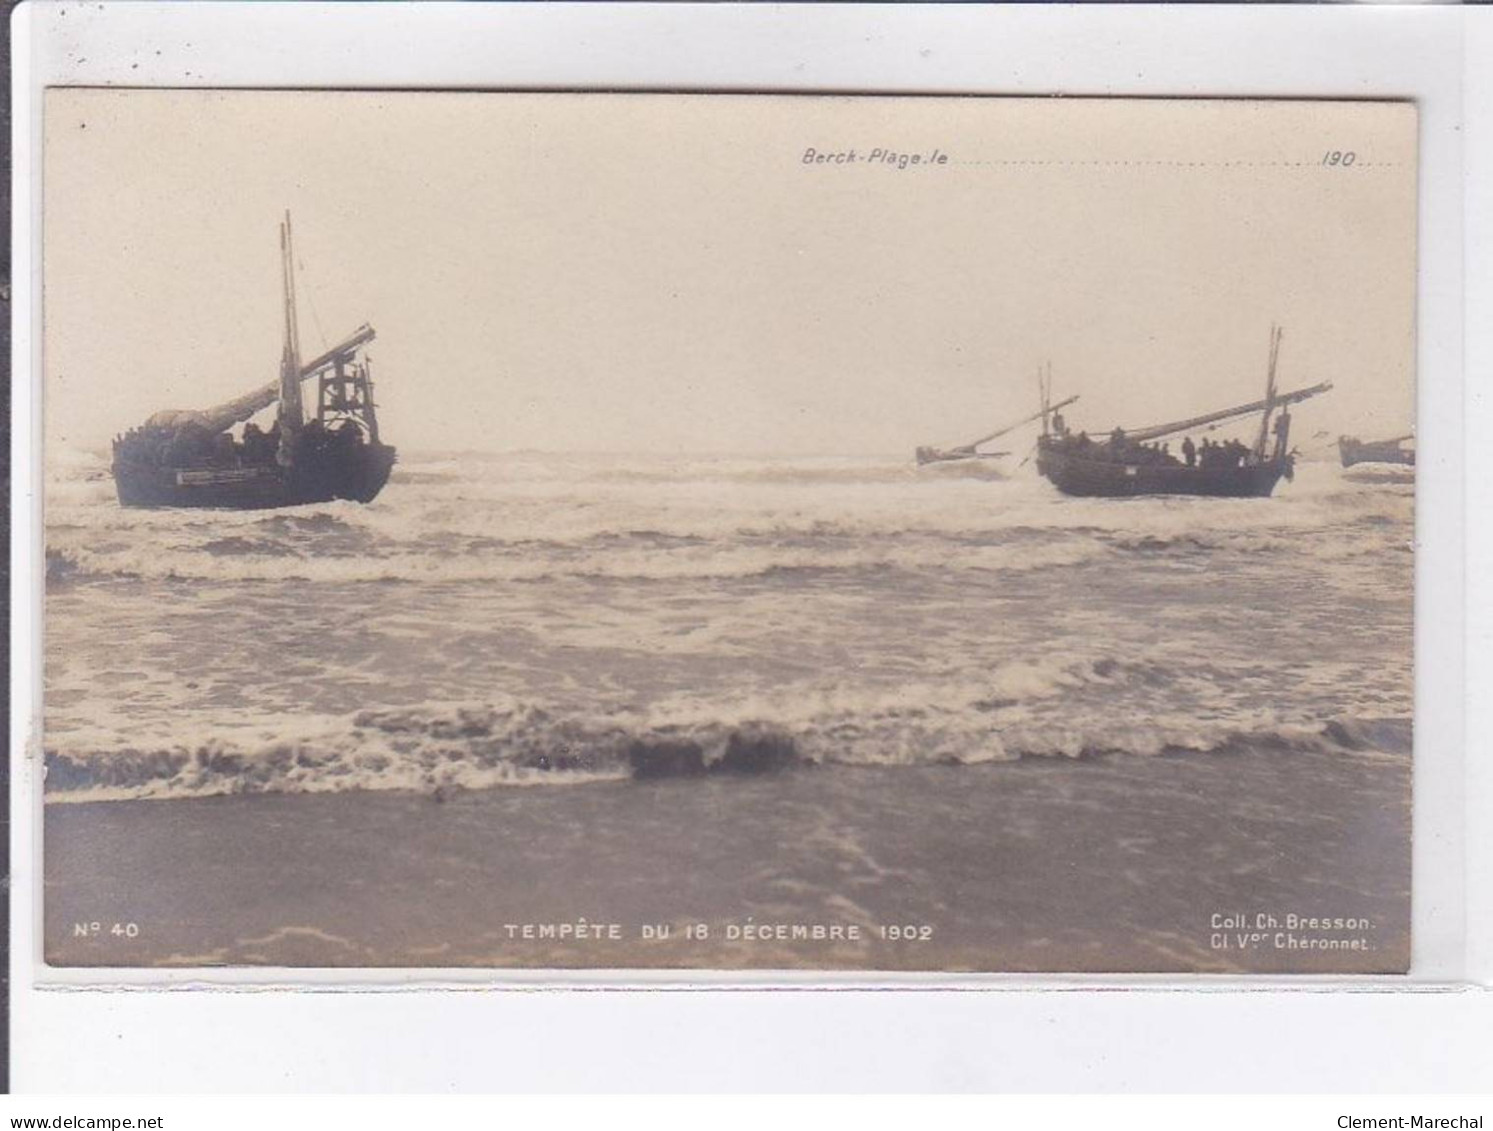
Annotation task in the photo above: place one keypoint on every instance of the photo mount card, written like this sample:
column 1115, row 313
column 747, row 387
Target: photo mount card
column 814, row 533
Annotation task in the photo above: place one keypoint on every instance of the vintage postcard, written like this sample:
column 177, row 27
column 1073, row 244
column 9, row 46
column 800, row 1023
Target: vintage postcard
column 728, row 532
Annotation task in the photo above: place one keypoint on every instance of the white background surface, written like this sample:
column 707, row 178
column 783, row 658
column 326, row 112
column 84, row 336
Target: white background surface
column 1055, row 1037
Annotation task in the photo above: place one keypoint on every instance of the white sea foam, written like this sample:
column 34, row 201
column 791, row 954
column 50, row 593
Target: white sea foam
column 557, row 619
column 528, row 519
column 481, row 747
column 1024, row 709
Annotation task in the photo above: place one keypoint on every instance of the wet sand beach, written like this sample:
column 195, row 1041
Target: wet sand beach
column 1105, row 864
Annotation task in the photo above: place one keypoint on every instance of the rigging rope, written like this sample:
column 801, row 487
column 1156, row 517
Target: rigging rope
column 315, row 317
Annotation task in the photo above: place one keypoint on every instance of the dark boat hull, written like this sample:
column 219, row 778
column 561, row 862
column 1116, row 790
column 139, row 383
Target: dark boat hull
column 1075, row 474
column 1353, row 452
column 358, row 473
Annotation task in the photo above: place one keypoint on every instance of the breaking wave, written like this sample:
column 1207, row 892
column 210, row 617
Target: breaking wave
column 1025, row 710
column 436, row 751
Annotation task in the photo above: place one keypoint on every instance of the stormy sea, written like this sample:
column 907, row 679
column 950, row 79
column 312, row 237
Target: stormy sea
column 534, row 710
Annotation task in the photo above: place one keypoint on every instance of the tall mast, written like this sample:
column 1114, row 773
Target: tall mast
column 1275, row 335
column 292, row 414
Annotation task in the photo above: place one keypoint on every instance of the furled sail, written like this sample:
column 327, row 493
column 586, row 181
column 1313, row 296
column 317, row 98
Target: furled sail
column 1141, row 435
column 224, row 416
column 967, row 451
column 1019, row 423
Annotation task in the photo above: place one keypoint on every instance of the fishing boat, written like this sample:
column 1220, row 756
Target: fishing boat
column 1399, row 450
column 1128, row 462
column 192, row 459
column 926, row 455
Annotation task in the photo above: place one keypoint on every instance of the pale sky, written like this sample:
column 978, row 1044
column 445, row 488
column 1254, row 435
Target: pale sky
column 662, row 273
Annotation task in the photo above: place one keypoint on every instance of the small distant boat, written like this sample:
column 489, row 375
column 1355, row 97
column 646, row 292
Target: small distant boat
column 971, row 450
column 1126, row 463
column 1400, row 450
column 191, row 459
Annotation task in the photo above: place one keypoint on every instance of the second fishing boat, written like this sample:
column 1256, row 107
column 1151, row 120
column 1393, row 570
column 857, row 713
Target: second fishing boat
column 1127, row 463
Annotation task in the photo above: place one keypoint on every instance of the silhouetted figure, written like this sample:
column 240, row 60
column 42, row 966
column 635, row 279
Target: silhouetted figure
column 1189, row 451
column 1282, row 432
column 254, row 444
